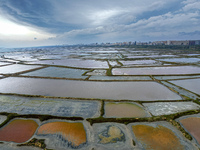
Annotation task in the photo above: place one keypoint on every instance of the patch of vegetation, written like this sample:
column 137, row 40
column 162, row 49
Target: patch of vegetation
column 196, row 101
column 109, row 72
column 133, row 142
column 102, row 108
column 119, row 62
column 36, row 143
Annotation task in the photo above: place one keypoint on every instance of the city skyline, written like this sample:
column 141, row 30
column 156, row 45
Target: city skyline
column 48, row 22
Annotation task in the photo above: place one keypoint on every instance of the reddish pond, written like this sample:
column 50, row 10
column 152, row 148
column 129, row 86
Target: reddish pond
column 18, row 131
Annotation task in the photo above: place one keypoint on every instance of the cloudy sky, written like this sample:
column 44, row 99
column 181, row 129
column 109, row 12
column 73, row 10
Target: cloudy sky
column 50, row 22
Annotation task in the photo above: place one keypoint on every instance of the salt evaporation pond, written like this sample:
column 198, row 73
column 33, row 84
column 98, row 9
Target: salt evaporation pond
column 54, row 107
column 103, row 56
column 110, row 136
column 75, row 63
column 181, row 60
column 18, row 130
column 147, row 56
column 97, row 73
column 58, row 72
column 118, row 78
column 181, row 91
column 157, row 70
column 159, row 137
column 139, row 62
column 16, row 68
column 166, row 108
column 190, row 84
column 4, row 63
column 50, row 57
column 83, row 89
column 125, row 110
column 175, row 77
column 102, row 51
column 73, row 134
column 192, row 124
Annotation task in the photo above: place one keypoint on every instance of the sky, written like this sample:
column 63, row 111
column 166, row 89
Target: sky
column 25, row 23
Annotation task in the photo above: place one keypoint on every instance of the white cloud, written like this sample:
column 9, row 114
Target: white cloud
column 103, row 16
column 9, row 28
column 91, row 13
column 16, row 34
column 190, row 5
column 161, row 26
column 111, row 20
column 189, row 1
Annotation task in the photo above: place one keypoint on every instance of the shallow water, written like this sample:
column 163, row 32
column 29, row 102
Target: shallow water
column 73, row 133
column 55, row 107
column 58, row 72
column 159, row 138
column 174, row 77
column 16, row 68
column 83, row 89
column 114, row 63
column 139, row 62
column 97, row 73
column 157, row 70
column 103, row 56
column 21, row 56
column 148, row 56
column 166, row 108
column 46, row 57
column 118, row 78
column 103, row 51
column 18, row 131
column 181, row 90
column 190, row 84
column 124, row 110
column 3, row 63
column 192, row 125
column 182, row 60
column 75, row 63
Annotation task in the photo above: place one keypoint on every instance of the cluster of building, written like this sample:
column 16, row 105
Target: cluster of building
column 186, row 42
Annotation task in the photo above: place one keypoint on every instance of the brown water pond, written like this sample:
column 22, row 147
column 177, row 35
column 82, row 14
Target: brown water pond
column 159, row 138
column 124, row 110
column 73, row 133
column 192, row 125
column 18, row 131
